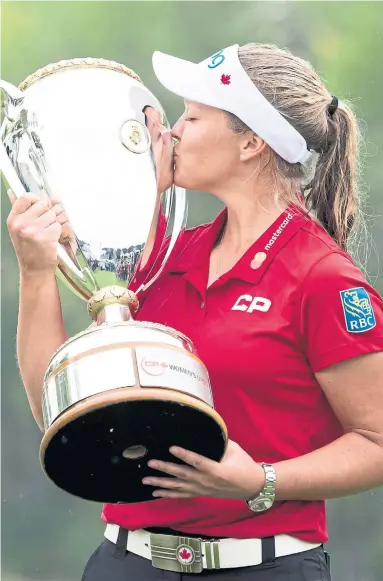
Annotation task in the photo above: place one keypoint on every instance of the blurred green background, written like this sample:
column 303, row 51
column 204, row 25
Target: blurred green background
column 46, row 534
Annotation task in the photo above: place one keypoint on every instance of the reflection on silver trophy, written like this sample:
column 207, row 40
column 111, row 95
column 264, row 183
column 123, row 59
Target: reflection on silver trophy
column 85, row 132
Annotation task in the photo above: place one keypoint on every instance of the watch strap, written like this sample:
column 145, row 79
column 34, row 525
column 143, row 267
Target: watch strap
column 265, row 500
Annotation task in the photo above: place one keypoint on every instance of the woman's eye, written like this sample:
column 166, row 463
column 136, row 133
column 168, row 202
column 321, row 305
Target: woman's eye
column 190, row 118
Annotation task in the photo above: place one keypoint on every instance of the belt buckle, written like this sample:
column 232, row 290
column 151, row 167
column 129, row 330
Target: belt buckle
column 178, row 554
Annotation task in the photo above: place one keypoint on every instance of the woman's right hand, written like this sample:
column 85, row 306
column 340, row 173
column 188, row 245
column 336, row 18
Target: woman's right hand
column 162, row 149
column 35, row 226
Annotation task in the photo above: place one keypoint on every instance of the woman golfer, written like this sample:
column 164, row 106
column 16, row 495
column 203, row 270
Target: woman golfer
column 288, row 327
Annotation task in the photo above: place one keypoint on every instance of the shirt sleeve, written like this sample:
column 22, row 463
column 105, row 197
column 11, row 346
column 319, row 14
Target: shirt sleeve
column 341, row 314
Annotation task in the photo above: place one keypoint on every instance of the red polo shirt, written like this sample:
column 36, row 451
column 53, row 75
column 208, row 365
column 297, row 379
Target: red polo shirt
column 262, row 333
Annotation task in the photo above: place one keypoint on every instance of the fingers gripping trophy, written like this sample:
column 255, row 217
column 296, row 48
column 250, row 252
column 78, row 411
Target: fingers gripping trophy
column 90, row 138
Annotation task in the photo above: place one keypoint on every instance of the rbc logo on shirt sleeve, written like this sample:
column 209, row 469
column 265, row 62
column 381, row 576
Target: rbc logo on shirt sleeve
column 357, row 310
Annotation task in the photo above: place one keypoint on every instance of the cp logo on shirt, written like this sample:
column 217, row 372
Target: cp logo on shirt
column 249, row 304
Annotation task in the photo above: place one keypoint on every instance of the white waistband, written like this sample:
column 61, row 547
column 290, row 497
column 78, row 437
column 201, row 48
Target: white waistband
column 232, row 553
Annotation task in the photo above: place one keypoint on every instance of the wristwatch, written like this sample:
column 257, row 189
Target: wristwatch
column 265, row 500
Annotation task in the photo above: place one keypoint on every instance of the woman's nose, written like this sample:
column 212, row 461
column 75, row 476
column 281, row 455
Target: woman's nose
column 175, row 136
column 176, row 131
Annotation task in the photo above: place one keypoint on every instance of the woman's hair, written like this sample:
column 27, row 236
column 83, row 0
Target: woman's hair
column 293, row 87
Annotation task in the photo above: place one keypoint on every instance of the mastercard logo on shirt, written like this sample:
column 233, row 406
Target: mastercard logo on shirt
column 358, row 310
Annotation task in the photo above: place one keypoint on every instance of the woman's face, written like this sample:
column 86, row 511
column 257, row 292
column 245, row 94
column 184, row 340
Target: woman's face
column 207, row 152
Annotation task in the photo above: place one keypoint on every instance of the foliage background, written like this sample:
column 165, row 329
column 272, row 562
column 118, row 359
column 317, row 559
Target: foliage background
column 46, row 534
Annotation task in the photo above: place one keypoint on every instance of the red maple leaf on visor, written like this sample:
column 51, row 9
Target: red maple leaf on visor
column 185, row 555
column 225, row 79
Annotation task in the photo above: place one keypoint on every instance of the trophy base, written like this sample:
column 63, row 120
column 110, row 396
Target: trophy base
column 105, row 441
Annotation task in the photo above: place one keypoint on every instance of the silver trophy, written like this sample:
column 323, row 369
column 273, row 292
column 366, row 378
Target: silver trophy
column 84, row 131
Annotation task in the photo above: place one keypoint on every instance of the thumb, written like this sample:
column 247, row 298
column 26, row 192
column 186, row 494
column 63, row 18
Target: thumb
column 167, row 139
column 12, row 196
column 165, row 132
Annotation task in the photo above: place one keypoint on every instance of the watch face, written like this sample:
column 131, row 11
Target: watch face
column 267, row 503
column 260, row 505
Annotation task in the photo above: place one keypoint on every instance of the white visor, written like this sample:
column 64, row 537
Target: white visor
column 220, row 81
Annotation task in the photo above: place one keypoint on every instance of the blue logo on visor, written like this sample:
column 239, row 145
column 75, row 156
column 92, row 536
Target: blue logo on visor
column 217, row 59
column 358, row 310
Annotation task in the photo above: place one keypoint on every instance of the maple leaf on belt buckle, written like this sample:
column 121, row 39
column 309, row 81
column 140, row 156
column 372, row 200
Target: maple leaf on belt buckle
column 178, row 554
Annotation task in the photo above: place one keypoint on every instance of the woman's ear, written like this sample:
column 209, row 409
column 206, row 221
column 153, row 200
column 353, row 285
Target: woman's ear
column 251, row 146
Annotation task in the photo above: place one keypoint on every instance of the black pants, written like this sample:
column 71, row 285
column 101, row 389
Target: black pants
column 111, row 563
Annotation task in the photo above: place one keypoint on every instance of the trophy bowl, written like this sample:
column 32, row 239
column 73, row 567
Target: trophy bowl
column 122, row 391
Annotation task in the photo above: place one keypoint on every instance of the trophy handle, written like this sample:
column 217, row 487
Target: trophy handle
column 13, row 182
column 15, row 98
column 179, row 200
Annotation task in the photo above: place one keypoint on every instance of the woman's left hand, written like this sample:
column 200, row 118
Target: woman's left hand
column 237, row 476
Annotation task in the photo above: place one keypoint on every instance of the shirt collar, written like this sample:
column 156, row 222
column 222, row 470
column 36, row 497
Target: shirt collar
column 198, row 250
column 195, row 256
